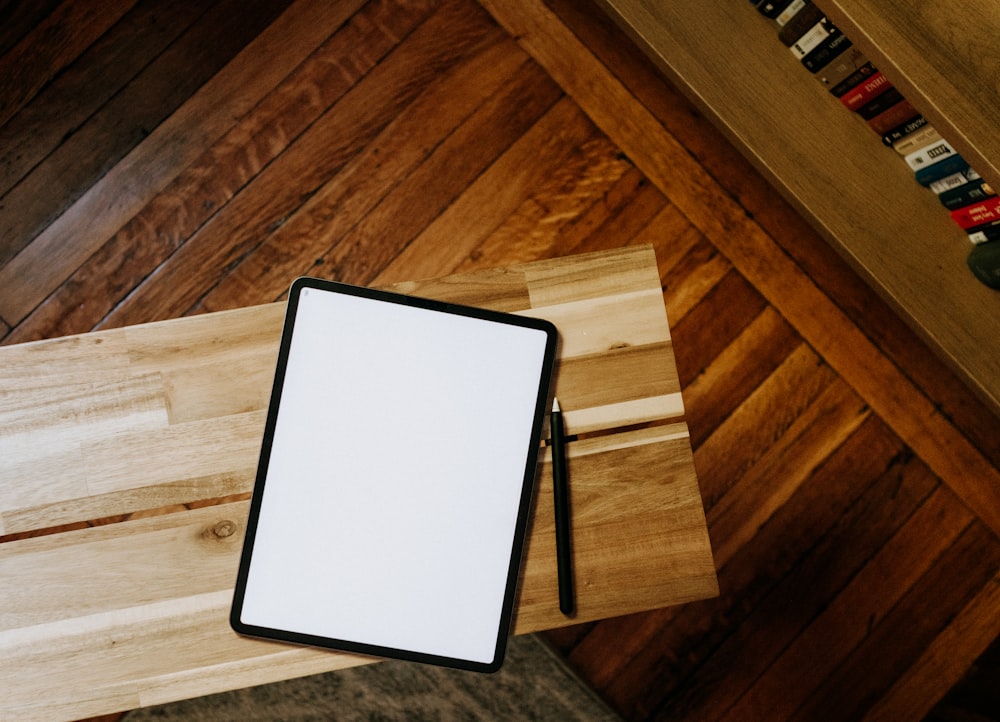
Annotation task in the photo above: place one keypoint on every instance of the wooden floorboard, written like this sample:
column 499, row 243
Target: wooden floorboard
column 162, row 159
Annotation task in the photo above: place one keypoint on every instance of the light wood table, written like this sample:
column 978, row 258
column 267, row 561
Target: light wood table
column 110, row 425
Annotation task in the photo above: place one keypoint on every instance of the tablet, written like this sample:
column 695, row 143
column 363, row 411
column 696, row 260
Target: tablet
column 395, row 475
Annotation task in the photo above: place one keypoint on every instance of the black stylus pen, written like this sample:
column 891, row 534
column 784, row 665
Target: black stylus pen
column 561, row 500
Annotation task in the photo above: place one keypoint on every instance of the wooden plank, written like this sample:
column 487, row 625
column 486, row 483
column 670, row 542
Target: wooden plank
column 939, row 666
column 165, row 634
column 188, row 407
column 20, row 19
column 686, row 662
column 50, row 47
column 454, row 236
column 912, row 625
column 829, row 421
column 545, row 223
column 335, row 143
column 122, row 192
column 786, row 579
column 712, row 324
column 891, row 394
column 351, row 229
column 721, row 387
column 129, row 116
column 788, row 228
column 869, row 597
column 88, row 83
column 745, row 436
column 219, row 174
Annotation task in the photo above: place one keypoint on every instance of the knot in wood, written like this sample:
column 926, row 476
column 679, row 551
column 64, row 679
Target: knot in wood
column 224, row 529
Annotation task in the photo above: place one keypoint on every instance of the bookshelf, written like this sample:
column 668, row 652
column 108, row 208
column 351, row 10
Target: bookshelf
column 858, row 193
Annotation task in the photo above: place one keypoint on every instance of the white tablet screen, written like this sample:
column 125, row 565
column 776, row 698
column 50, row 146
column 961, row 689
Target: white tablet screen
column 392, row 493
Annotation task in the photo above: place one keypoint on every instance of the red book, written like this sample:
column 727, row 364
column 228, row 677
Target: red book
column 978, row 213
column 865, row 91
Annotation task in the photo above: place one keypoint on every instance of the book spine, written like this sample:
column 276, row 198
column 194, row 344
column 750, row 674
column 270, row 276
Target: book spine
column 788, row 13
column 772, row 8
column 806, row 18
column 966, row 194
column 943, row 168
column 917, row 140
column 904, row 129
column 880, row 104
column 812, row 38
column 865, row 91
column 892, row 116
column 937, row 151
column 955, row 180
column 824, row 54
column 858, row 76
column 978, row 214
column 984, row 234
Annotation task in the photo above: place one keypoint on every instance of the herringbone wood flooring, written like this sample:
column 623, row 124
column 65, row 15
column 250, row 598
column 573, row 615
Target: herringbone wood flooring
column 160, row 159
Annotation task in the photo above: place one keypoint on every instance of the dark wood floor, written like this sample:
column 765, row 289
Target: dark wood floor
column 160, row 159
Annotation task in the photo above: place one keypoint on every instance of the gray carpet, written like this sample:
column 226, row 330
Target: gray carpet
column 534, row 684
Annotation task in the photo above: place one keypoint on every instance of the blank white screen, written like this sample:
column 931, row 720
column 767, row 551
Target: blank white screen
column 395, row 476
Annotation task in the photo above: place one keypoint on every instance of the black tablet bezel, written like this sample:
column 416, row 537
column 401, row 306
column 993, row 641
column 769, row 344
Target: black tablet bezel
column 527, row 482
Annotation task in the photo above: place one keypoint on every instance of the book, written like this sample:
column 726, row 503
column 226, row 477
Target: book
column 936, row 151
column 941, row 169
column 865, row 91
column 772, row 8
column 903, row 130
column 812, row 38
column 966, row 194
column 978, row 214
column 916, row 140
column 788, row 13
column 858, row 76
column 880, row 104
column 955, row 180
column 825, row 52
column 892, row 116
column 795, row 28
column 845, row 65
column 984, row 233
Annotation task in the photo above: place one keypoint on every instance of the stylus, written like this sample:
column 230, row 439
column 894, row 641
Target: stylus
column 561, row 501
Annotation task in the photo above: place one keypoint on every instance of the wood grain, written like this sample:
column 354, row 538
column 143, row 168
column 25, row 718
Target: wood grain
column 108, row 204
column 185, row 399
column 748, row 247
column 927, row 56
column 183, row 420
column 902, row 245
column 804, row 485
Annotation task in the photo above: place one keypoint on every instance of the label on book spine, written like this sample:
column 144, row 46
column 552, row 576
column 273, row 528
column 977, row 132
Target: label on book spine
column 915, row 141
column 977, row 214
column 865, row 91
column 800, row 24
column 984, row 234
column 789, row 12
column 966, row 194
column 880, row 103
column 823, row 55
column 893, row 116
column 904, row 130
column 937, row 151
column 772, row 8
column 941, row 169
column 811, row 40
column 950, row 182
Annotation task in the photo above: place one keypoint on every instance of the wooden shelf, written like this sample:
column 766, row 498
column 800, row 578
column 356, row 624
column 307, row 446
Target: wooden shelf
column 833, row 168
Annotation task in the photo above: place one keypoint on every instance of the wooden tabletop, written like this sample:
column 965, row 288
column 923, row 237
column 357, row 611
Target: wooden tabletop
column 127, row 457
